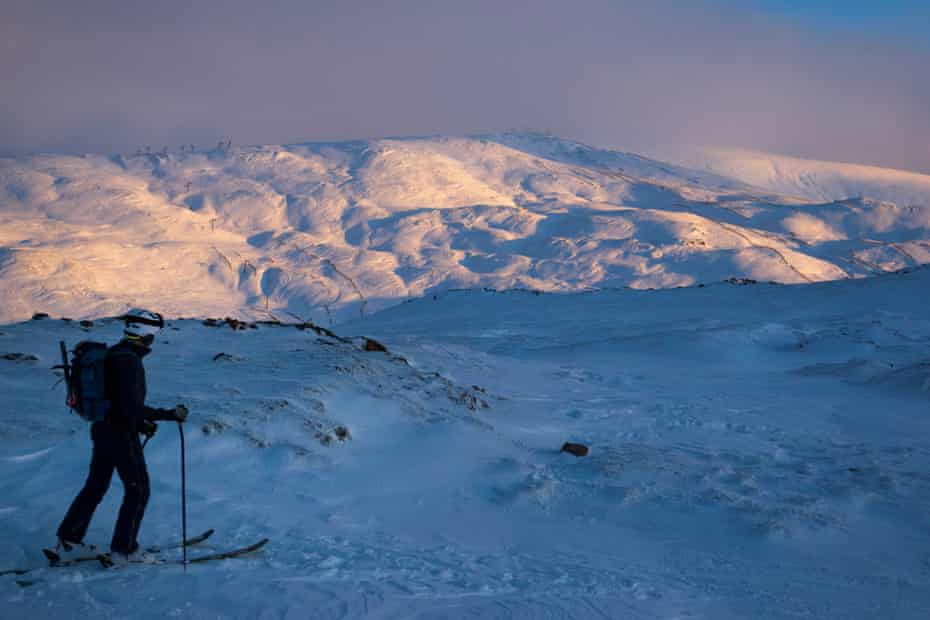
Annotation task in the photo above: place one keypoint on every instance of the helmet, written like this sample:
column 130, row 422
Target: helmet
column 142, row 325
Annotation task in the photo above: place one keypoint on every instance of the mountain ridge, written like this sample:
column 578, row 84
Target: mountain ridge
column 809, row 178
column 331, row 231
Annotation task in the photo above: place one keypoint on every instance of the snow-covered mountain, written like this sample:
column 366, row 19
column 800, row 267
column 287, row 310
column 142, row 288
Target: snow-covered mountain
column 822, row 181
column 331, row 231
column 756, row 451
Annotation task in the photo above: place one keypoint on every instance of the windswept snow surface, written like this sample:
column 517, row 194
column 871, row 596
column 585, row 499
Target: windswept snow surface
column 757, row 451
column 812, row 179
column 334, row 231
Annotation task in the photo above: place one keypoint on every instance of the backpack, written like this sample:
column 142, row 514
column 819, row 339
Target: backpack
column 86, row 380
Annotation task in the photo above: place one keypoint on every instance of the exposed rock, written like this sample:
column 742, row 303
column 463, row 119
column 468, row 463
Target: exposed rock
column 577, row 449
column 19, row 357
column 258, row 442
column 374, row 345
column 213, row 427
column 340, row 433
column 270, row 405
column 38, row 316
column 234, row 324
column 226, row 357
column 87, row 324
column 470, row 398
column 321, row 331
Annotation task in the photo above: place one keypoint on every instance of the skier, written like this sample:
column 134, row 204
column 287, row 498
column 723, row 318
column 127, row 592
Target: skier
column 116, row 444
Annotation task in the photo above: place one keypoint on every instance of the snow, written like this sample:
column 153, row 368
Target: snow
column 757, row 451
column 812, row 179
column 747, row 356
column 333, row 231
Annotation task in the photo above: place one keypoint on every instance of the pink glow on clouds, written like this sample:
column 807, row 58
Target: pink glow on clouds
column 119, row 75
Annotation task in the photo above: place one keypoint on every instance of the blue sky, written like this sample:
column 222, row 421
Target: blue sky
column 905, row 18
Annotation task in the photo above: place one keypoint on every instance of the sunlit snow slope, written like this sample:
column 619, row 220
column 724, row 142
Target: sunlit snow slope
column 811, row 179
column 334, row 231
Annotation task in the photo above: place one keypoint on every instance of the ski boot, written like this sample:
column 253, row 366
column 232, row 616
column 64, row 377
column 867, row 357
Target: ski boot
column 67, row 551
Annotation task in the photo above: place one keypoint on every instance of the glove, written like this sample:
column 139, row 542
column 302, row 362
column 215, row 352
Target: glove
column 147, row 428
column 180, row 413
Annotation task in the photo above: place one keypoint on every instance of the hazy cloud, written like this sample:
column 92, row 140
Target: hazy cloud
column 109, row 76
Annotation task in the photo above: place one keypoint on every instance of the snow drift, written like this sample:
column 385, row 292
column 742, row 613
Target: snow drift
column 756, row 451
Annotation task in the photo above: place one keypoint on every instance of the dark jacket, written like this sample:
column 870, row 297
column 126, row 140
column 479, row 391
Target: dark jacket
column 125, row 381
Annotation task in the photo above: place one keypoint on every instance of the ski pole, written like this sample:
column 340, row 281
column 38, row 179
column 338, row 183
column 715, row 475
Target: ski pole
column 183, row 499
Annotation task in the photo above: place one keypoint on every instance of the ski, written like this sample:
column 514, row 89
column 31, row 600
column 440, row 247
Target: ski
column 55, row 560
column 107, row 562
column 196, row 540
column 225, row 555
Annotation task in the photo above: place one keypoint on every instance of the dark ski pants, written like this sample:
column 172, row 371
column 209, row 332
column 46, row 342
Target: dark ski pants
column 120, row 450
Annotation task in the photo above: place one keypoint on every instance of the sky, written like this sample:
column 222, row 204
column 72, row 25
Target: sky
column 844, row 81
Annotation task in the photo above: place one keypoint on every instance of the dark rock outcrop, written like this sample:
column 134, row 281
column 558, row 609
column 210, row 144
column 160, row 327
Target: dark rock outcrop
column 577, row 449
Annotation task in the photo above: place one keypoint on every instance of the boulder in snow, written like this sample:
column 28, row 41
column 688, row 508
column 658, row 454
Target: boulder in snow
column 577, row 449
column 374, row 345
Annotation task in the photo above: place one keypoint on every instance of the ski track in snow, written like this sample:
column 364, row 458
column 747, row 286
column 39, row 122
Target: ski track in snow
column 756, row 452
column 22, row 458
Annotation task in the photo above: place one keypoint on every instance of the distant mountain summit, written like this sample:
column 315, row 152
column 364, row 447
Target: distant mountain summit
column 331, row 231
column 808, row 178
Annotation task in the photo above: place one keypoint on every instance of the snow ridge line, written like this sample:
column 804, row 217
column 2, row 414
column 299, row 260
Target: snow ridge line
column 352, row 283
column 775, row 251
